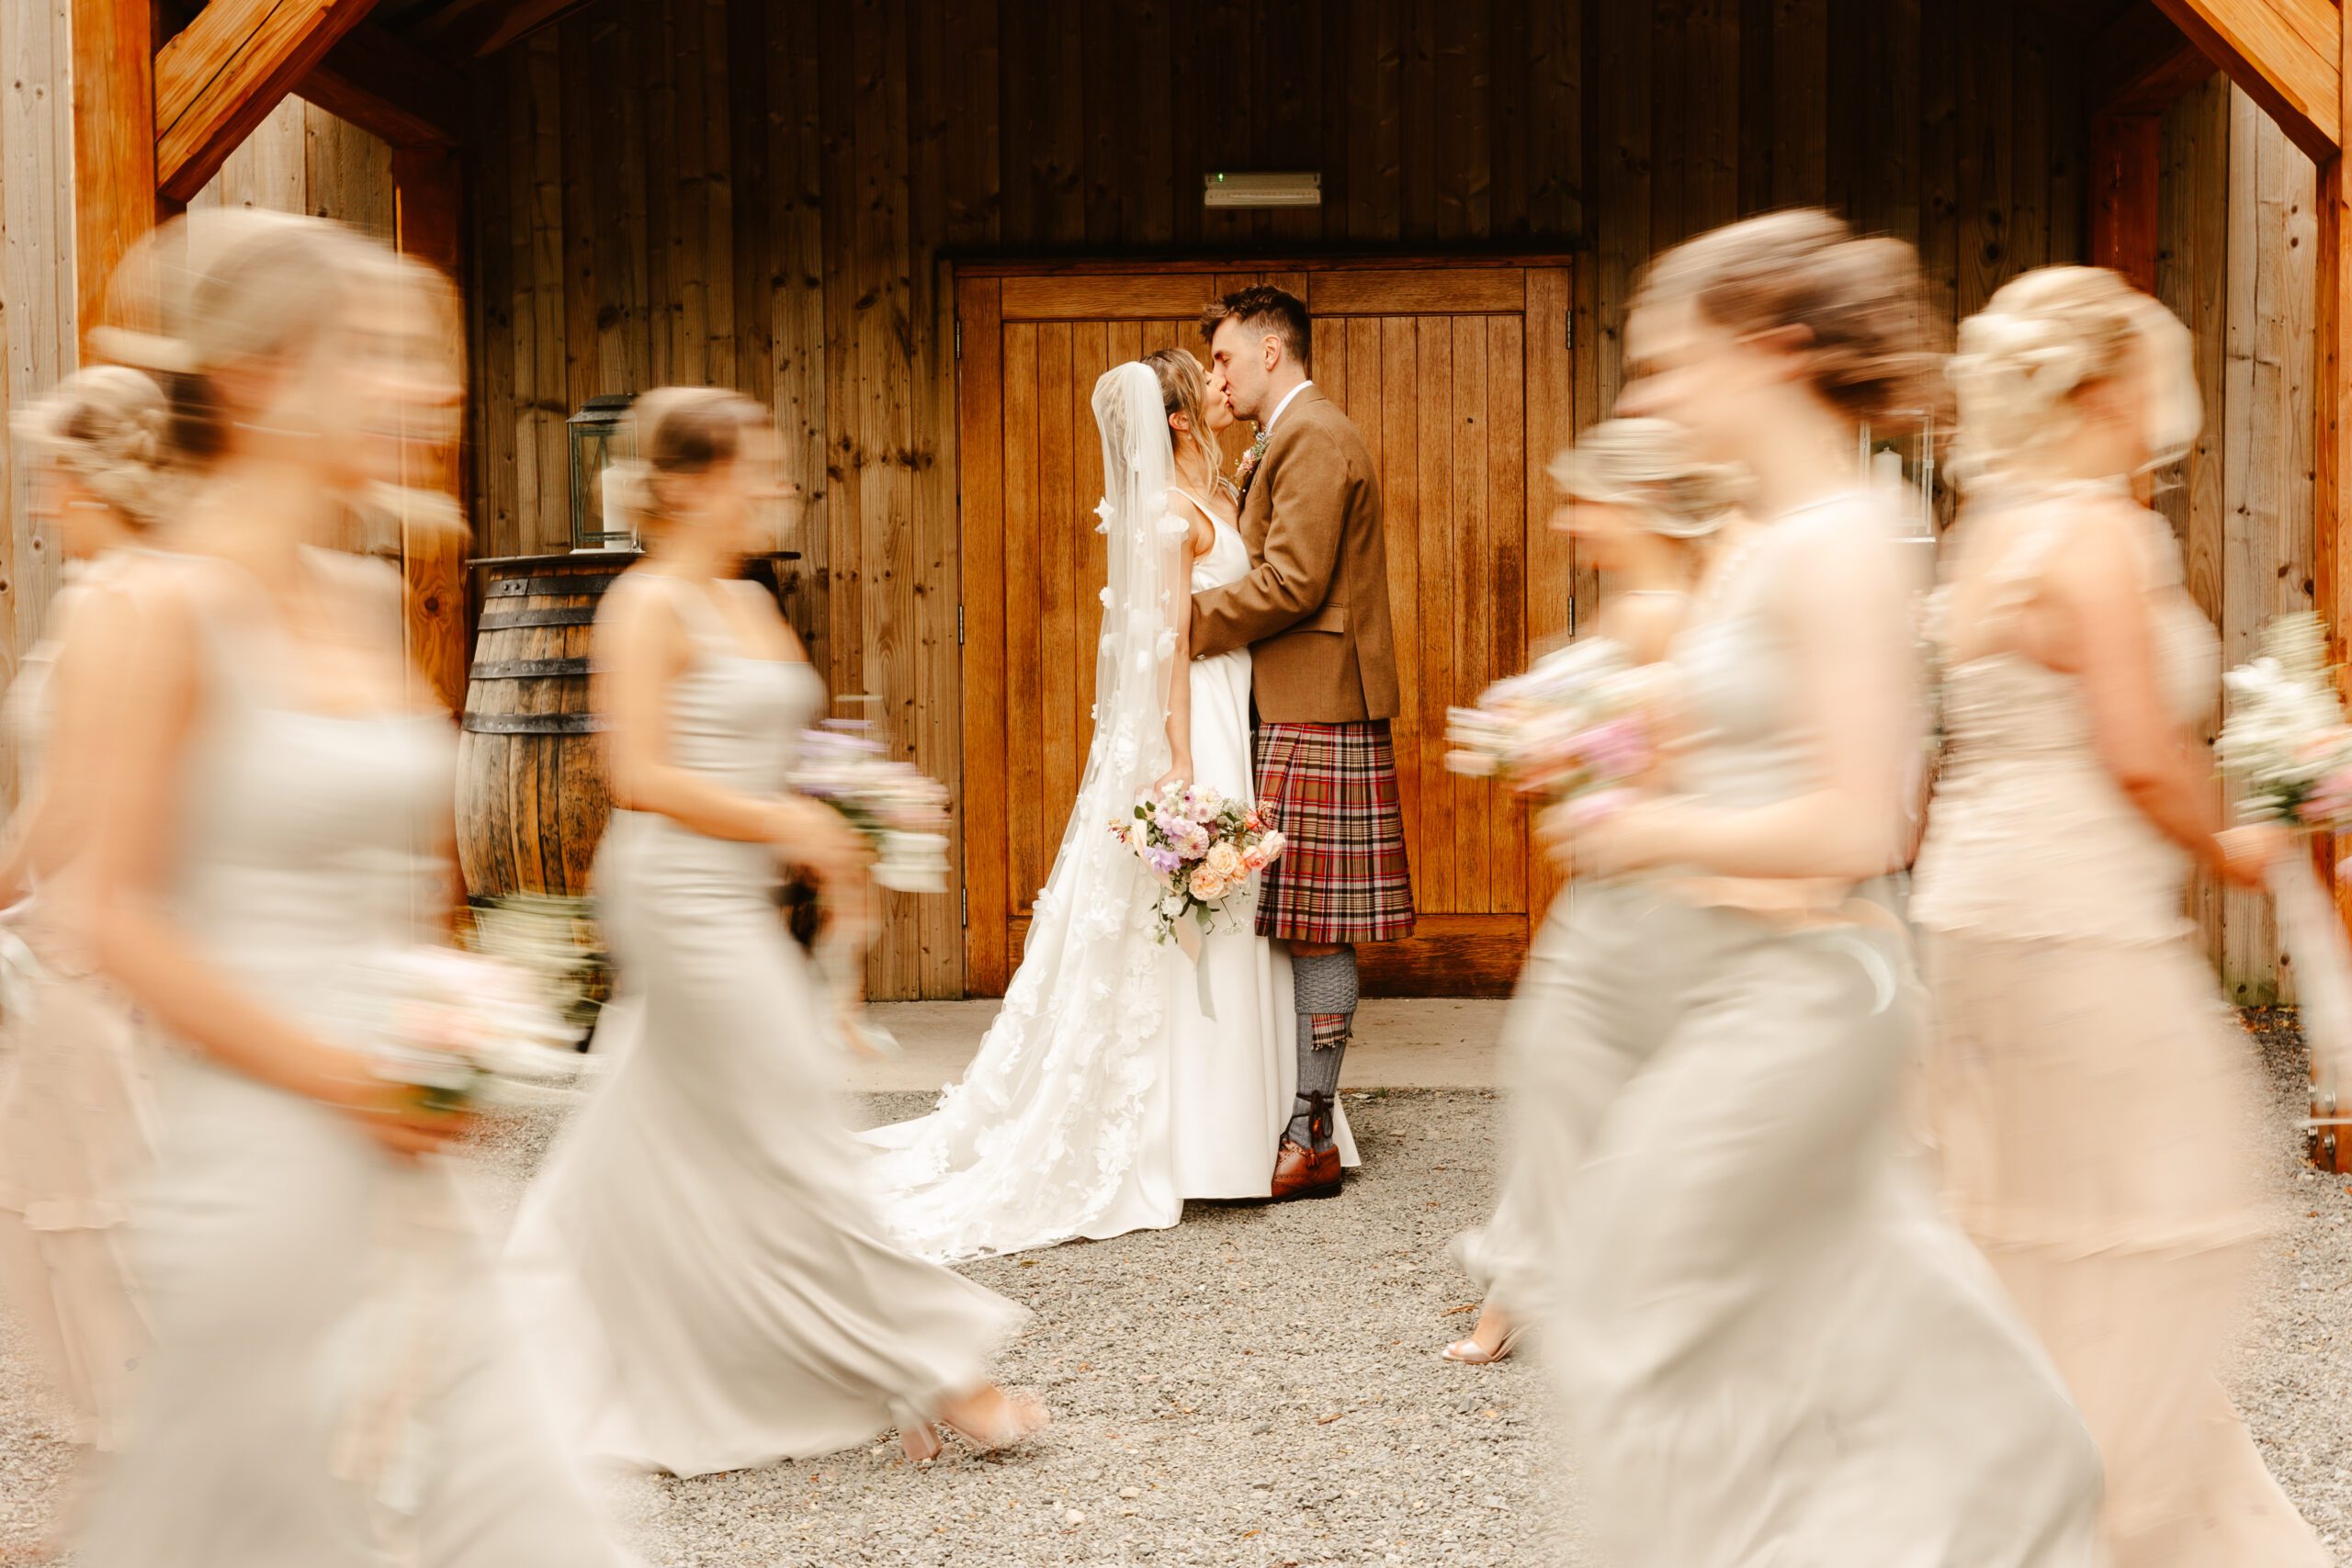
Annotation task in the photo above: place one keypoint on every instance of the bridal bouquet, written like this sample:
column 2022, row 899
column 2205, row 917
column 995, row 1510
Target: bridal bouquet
column 1575, row 727
column 2287, row 739
column 1202, row 847
column 458, row 1030
column 901, row 811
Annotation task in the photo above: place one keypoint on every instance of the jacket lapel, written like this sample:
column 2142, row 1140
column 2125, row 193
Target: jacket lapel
column 1257, row 500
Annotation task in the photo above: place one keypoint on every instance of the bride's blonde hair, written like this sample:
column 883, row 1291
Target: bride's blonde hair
column 2042, row 339
column 1646, row 467
column 1184, row 389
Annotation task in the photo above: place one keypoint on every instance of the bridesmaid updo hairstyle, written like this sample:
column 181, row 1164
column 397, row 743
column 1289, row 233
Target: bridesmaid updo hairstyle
column 1854, row 304
column 2044, row 339
column 682, row 432
column 1646, row 467
column 1184, row 389
column 215, row 289
column 105, row 426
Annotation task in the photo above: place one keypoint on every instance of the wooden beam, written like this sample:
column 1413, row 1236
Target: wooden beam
column 2126, row 156
column 2139, row 62
column 2285, row 53
column 114, row 141
column 471, row 28
column 224, row 72
column 389, row 87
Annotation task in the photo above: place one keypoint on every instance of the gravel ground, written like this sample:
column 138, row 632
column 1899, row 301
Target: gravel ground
column 1260, row 1386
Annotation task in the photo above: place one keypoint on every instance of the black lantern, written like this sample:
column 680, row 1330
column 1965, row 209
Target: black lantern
column 602, row 433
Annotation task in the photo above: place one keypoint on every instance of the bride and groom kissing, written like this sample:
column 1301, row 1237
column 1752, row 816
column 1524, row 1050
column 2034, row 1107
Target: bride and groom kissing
column 1119, row 1080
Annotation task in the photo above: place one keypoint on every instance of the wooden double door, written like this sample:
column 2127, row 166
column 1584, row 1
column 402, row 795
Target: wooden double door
column 1459, row 378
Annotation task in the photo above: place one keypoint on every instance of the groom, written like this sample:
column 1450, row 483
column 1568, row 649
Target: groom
column 1314, row 613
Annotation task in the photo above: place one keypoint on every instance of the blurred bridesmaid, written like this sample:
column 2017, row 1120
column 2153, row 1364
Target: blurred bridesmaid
column 1773, row 1345
column 275, row 815
column 2094, row 1102
column 705, row 1273
column 75, row 1116
column 1651, row 516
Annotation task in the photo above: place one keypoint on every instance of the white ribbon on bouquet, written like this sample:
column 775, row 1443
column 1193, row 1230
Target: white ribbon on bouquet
column 2313, row 935
column 1194, row 941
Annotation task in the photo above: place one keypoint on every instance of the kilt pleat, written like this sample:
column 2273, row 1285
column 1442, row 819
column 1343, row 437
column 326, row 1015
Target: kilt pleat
column 1344, row 877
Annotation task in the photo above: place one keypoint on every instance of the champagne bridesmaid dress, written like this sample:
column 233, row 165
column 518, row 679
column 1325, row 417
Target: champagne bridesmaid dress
column 701, row 1266
column 76, row 1117
column 2093, row 1098
column 274, row 1233
column 1773, row 1346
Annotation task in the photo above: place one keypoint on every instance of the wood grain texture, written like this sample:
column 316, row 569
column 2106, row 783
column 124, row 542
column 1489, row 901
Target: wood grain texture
column 2283, row 53
column 225, row 71
column 112, row 72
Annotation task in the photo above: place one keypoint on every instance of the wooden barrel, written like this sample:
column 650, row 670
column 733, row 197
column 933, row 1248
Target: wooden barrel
column 531, row 798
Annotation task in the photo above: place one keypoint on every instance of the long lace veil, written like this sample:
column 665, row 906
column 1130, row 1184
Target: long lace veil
column 1034, row 1142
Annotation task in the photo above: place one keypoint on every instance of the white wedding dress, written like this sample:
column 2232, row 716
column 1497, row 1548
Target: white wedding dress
column 1102, row 1097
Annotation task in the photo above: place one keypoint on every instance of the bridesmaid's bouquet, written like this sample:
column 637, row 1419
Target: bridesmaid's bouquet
column 902, row 812
column 2286, row 737
column 1576, row 727
column 1202, row 848
column 2287, row 740
column 460, row 1030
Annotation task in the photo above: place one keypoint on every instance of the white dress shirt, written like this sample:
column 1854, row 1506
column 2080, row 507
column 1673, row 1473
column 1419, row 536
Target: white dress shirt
column 1285, row 403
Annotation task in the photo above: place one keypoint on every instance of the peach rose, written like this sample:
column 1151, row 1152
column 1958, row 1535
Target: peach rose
column 1207, row 885
column 1225, row 861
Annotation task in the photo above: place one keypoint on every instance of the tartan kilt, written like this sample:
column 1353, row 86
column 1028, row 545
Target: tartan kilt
column 1343, row 877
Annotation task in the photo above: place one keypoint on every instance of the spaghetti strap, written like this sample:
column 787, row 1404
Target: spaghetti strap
column 1205, row 511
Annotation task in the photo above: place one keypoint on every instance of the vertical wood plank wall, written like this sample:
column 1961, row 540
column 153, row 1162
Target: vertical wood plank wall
column 762, row 192
column 38, row 324
column 2236, row 251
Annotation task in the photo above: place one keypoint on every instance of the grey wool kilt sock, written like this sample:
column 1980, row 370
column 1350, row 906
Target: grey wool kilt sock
column 1326, row 987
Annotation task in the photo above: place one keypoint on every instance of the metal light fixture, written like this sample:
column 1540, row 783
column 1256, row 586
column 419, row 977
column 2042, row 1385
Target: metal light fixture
column 602, row 435
column 1301, row 190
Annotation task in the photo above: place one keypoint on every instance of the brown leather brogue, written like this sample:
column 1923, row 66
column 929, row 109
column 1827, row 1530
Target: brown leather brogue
column 1300, row 1172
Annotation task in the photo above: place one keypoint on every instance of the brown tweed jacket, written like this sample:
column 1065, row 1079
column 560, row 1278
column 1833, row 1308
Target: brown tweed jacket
column 1314, row 610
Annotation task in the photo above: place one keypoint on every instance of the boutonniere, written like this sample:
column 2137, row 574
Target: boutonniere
column 1248, row 463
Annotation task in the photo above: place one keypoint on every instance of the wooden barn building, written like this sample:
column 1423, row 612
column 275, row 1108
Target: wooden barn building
column 920, row 229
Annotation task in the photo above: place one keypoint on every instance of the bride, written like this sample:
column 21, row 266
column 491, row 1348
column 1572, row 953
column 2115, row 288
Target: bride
column 1120, row 1078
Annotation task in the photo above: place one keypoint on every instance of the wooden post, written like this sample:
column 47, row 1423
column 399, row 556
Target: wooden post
column 2332, row 452
column 428, row 190
column 114, row 141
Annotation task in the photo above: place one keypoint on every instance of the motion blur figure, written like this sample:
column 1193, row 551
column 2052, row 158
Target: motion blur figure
column 2094, row 1104
column 1653, row 517
column 702, row 1266
column 1772, row 1344
column 277, row 800
column 75, row 1126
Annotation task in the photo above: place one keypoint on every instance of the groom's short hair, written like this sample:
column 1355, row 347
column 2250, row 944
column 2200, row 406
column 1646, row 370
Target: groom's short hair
column 1269, row 309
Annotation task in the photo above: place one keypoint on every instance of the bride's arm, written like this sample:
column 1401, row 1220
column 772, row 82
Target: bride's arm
column 1180, row 665
column 640, row 650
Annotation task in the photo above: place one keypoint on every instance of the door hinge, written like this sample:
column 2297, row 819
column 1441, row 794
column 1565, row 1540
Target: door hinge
column 959, row 626
column 1572, row 328
column 968, row 908
column 959, row 337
